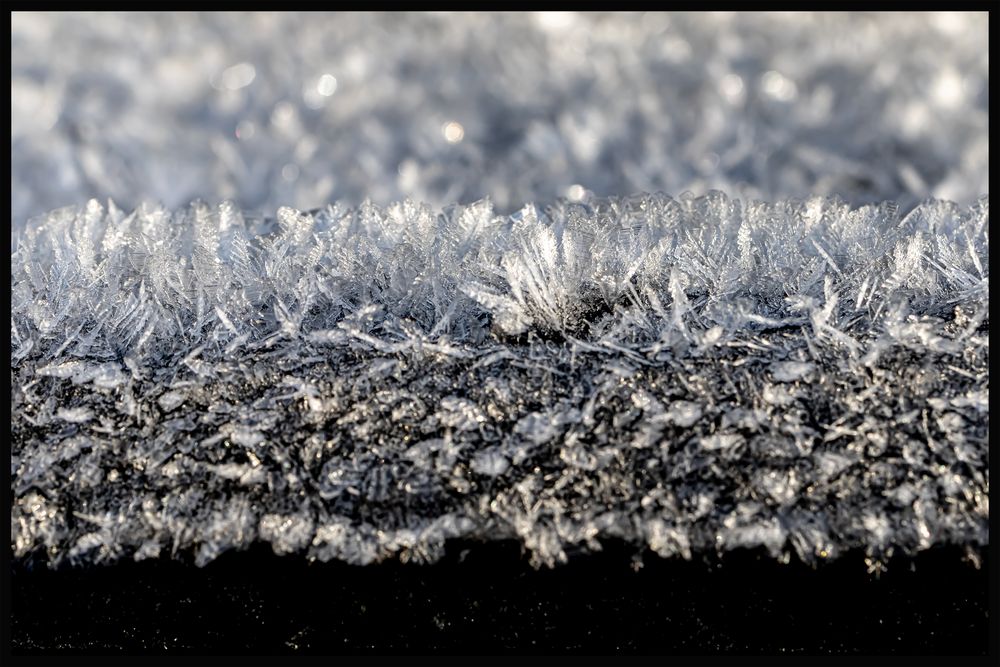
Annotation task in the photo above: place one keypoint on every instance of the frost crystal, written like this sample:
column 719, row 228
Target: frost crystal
column 453, row 107
column 363, row 383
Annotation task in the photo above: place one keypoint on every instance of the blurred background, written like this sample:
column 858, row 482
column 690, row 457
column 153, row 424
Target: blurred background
column 296, row 109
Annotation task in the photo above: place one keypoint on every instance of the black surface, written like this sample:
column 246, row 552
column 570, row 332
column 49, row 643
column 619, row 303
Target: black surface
column 486, row 599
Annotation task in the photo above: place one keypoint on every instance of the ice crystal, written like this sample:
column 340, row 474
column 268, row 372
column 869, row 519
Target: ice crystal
column 358, row 383
column 446, row 107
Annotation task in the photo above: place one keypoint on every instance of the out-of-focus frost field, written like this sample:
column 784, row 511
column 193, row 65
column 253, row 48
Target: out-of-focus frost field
column 534, row 343
column 303, row 109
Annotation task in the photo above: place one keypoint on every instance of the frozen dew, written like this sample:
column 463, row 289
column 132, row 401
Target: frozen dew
column 731, row 86
column 720, row 441
column 790, row 371
column 950, row 23
column 453, row 132
column 33, row 106
column 915, row 120
column 75, row 415
column 236, row 77
column 245, row 130
column 316, row 93
column 684, row 413
column 555, row 21
column 283, row 115
column 327, row 85
column 710, row 162
column 490, row 463
column 171, row 399
column 949, row 89
column 778, row 86
column 409, row 175
column 576, row 192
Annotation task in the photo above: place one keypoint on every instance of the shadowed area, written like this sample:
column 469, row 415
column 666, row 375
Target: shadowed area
column 487, row 599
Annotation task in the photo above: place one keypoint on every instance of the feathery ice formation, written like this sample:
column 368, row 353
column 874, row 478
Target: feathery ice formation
column 360, row 384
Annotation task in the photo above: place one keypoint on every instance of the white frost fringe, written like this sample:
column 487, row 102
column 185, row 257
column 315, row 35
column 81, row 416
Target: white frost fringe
column 625, row 367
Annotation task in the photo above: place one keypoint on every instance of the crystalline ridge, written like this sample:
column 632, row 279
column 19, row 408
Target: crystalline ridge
column 687, row 374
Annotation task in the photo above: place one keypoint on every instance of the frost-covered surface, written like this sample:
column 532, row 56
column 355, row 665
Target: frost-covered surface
column 359, row 382
column 303, row 109
column 691, row 375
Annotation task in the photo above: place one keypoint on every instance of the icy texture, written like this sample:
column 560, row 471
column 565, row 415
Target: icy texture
column 304, row 109
column 357, row 384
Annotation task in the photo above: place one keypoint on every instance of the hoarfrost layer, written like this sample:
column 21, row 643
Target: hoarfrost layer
column 357, row 384
column 302, row 109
